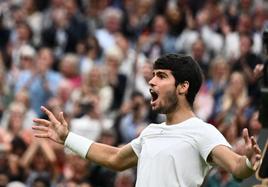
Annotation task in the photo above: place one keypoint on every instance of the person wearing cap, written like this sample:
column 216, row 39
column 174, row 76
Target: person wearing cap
column 27, row 57
column 40, row 80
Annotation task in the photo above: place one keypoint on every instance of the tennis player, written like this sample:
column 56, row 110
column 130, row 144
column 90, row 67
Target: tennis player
column 176, row 153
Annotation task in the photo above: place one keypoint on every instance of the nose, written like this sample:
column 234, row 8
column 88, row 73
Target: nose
column 152, row 81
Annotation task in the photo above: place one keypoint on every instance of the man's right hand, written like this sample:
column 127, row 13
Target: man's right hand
column 54, row 129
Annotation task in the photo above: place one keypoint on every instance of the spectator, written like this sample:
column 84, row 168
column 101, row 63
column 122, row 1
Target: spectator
column 125, row 179
column 38, row 161
column 34, row 18
column 159, row 41
column 144, row 74
column 23, row 98
column 137, row 18
column 200, row 54
column 71, row 78
column 135, row 121
column 41, row 81
column 20, row 37
column 77, row 26
column 93, row 85
column 5, row 90
column 246, row 64
column 75, row 171
column 56, row 36
column 111, row 19
column 219, row 71
column 5, row 33
column 117, row 80
column 176, row 17
column 48, row 13
column 92, row 55
column 14, row 118
column 235, row 107
column 101, row 176
column 24, row 66
column 90, row 123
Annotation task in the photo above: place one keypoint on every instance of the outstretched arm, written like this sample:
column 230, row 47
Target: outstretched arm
column 108, row 156
column 240, row 166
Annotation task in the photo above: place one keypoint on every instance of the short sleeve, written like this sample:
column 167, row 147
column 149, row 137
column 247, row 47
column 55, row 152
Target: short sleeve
column 209, row 139
column 136, row 145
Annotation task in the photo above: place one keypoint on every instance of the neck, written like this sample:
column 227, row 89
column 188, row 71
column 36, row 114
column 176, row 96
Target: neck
column 179, row 115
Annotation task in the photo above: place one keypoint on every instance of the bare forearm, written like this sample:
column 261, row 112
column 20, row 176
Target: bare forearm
column 231, row 162
column 241, row 170
column 48, row 151
column 111, row 157
column 29, row 154
column 103, row 154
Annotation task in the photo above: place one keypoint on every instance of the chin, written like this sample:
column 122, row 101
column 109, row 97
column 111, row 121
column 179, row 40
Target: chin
column 159, row 110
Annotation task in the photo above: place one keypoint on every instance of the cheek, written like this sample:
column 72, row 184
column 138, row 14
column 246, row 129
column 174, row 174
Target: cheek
column 170, row 97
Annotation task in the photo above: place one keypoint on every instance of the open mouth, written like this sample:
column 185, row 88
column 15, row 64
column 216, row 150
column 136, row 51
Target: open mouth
column 153, row 94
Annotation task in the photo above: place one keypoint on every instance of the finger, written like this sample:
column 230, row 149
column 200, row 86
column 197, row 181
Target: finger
column 40, row 128
column 256, row 165
column 41, row 122
column 42, row 135
column 257, row 162
column 49, row 114
column 42, row 131
column 246, row 136
column 253, row 140
column 258, row 157
column 61, row 118
column 260, row 67
column 257, row 149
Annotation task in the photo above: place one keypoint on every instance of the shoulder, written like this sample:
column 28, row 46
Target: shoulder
column 202, row 128
column 150, row 129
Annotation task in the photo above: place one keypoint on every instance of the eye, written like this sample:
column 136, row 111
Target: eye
column 161, row 75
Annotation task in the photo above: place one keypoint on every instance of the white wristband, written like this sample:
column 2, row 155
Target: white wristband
column 78, row 144
column 249, row 165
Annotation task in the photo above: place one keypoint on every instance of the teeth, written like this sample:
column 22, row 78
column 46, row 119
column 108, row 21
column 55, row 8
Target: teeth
column 154, row 94
column 152, row 91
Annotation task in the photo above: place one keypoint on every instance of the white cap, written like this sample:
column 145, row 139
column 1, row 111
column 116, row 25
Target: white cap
column 28, row 51
column 115, row 52
column 16, row 184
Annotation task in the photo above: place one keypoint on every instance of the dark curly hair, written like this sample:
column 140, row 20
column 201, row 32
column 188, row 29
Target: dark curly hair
column 184, row 68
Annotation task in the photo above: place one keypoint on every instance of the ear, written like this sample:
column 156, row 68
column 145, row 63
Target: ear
column 182, row 88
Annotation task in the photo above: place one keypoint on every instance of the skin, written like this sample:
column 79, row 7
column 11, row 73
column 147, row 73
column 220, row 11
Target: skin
column 172, row 102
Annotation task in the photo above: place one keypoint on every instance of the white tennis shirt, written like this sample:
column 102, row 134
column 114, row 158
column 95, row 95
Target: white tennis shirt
column 175, row 155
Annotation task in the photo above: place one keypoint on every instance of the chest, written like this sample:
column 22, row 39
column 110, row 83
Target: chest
column 165, row 145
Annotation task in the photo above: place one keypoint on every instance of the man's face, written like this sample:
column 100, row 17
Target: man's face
column 162, row 88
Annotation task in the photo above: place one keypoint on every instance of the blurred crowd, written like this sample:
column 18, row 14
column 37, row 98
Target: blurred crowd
column 92, row 59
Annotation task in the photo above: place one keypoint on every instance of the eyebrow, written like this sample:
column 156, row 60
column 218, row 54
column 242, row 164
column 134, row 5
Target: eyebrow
column 160, row 73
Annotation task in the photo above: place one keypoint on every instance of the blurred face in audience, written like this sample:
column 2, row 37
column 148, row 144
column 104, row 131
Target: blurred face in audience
column 254, row 124
column 39, row 162
column 244, row 25
column 198, row 50
column 147, row 71
column 160, row 25
column 112, row 23
column 16, row 119
column 44, row 61
column 245, row 45
column 23, row 32
column 236, row 84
